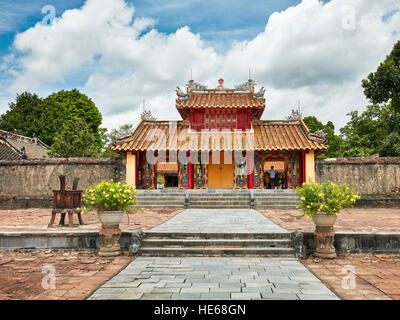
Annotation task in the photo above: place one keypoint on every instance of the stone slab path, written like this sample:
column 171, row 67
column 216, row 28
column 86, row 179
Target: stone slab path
column 206, row 278
column 219, row 221
column 198, row 278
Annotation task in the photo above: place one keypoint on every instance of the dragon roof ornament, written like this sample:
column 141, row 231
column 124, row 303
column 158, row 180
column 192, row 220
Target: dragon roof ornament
column 192, row 86
column 246, row 86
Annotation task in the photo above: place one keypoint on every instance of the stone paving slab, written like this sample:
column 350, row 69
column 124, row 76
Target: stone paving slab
column 223, row 221
column 208, row 278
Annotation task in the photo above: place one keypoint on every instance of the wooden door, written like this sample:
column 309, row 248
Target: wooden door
column 220, row 176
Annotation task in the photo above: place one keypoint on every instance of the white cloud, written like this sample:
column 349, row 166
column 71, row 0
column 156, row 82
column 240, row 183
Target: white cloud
column 305, row 52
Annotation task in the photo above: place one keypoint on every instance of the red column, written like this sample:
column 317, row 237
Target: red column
column 190, row 175
column 250, row 177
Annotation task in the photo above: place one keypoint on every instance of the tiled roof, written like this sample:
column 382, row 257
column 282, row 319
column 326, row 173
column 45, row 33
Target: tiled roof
column 167, row 167
column 278, row 165
column 33, row 148
column 220, row 100
column 266, row 136
column 8, row 152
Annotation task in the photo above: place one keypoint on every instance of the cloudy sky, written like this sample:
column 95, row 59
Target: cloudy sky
column 123, row 52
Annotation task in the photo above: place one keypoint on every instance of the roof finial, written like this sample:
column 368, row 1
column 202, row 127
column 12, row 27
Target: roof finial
column 249, row 74
column 191, row 74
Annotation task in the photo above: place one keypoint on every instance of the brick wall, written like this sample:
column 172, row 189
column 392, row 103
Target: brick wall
column 367, row 176
column 29, row 183
column 377, row 180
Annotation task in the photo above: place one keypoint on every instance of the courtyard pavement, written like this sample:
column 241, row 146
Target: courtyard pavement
column 219, row 221
column 205, row 278
column 198, row 278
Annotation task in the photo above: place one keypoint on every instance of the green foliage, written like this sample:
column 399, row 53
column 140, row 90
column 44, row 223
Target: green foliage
column 74, row 139
column 50, row 119
column 109, row 195
column 22, row 115
column 383, row 86
column 328, row 198
column 80, row 106
column 335, row 142
column 376, row 130
column 160, row 180
column 109, row 137
column 390, row 146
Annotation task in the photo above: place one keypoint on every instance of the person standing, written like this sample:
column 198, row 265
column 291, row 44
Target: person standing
column 272, row 175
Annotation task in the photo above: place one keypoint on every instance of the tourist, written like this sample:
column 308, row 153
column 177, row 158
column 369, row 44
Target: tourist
column 266, row 181
column 272, row 177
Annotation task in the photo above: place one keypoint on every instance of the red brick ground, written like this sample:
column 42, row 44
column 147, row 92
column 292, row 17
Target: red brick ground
column 38, row 219
column 377, row 277
column 357, row 220
column 77, row 274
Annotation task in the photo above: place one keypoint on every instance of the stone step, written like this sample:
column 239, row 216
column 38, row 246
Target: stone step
column 155, row 196
column 216, row 206
column 276, row 207
column 289, row 202
column 218, row 196
column 215, row 236
column 161, row 205
column 223, row 201
column 146, row 201
column 233, row 243
column 217, row 252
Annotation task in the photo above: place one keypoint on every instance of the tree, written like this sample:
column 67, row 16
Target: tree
column 383, row 86
column 377, row 129
column 75, row 139
column 22, row 114
column 32, row 116
column 109, row 138
column 80, row 106
column 335, row 142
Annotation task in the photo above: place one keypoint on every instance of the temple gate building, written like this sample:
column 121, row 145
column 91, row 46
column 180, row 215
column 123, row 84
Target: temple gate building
column 220, row 143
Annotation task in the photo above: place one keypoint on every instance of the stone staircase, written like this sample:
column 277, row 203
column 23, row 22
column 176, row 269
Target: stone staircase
column 217, row 198
column 165, row 198
column 174, row 244
column 275, row 199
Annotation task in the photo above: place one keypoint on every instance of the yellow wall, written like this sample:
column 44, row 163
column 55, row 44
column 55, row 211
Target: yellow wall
column 131, row 168
column 310, row 166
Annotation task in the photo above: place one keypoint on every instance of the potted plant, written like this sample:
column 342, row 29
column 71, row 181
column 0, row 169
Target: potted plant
column 110, row 199
column 160, row 182
column 323, row 202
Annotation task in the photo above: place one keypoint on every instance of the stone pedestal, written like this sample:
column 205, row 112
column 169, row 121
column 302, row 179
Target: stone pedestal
column 109, row 236
column 110, row 233
column 325, row 236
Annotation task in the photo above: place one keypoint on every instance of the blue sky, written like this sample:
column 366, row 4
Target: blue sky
column 218, row 21
column 121, row 52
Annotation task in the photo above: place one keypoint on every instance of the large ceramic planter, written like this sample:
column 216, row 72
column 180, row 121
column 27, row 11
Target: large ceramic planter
column 110, row 232
column 325, row 235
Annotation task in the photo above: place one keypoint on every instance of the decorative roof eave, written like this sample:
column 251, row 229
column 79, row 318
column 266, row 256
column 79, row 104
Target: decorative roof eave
column 272, row 135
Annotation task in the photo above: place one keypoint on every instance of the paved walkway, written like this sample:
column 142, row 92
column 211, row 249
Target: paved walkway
column 214, row 279
column 219, row 221
column 204, row 278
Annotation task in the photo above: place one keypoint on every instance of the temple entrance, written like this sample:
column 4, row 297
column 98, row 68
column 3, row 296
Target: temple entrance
column 171, row 181
column 220, row 176
column 281, row 174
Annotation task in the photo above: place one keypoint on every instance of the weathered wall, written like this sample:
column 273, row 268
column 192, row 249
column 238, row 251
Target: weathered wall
column 29, row 183
column 376, row 180
column 366, row 176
